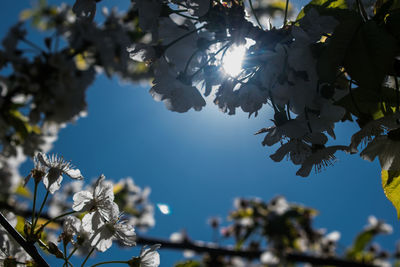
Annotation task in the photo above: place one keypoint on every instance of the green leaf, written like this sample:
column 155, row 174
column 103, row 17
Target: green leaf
column 391, row 187
column 323, row 7
column 360, row 243
column 370, row 55
column 23, row 191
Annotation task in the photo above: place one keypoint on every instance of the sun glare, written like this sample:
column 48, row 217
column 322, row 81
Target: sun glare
column 232, row 60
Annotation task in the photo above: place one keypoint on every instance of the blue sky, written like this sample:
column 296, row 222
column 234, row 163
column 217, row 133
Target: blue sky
column 198, row 162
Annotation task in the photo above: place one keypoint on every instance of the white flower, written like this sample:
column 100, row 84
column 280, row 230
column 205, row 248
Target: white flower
column 56, row 168
column 149, row 257
column 196, row 8
column 142, row 52
column 176, row 93
column 72, row 226
column 100, row 204
column 378, row 226
column 279, row 205
column 102, row 238
column 320, row 158
column 294, row 129
column 269, row 258
column 251, row 98
column 328, row 243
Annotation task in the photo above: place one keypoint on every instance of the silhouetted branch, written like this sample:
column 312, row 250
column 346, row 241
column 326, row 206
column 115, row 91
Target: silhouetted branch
column 201, row 247
column 28, row 247
column 215, row 250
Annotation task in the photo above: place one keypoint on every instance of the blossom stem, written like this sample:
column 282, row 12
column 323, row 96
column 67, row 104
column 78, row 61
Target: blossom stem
column 65, row 254
column 87, row 257
column 109, row 262
column 211, row 58
column 255, row 15
column 54, row 219
column 33, row 45
column 40, row 210
column 361, row 10
column 183, row 36
column 34, row 207
column 72, row 252
column 286, row 13
column 396, row 82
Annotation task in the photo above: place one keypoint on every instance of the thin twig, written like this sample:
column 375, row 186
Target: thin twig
column 255, row 15
column 286, row 13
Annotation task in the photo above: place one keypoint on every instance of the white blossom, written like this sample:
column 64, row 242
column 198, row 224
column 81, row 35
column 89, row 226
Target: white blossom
column 176, row 93
column 269, row 258
column 378, row 226
column 108, row 231
column 56, row 168
column 99, row 204
column 320, row 158
column 149, row 257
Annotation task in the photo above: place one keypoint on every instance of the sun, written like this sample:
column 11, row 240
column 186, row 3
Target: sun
column 232, row 60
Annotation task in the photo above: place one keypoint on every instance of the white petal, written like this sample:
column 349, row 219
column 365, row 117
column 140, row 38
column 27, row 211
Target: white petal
column 74, row 174
column 82, row 200
column 43, row 159
column 51, row 184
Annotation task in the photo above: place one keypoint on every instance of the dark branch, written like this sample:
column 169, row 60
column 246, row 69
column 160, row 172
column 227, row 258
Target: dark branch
column 28, row 247
column 216, row 250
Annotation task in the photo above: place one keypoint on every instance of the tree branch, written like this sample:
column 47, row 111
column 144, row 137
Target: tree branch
column 28, row 247
column 216, row 250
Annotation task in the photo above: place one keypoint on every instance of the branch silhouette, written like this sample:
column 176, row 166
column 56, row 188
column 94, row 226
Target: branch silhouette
column 213, row 249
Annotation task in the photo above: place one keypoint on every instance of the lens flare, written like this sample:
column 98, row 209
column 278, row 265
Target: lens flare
column 232, row 60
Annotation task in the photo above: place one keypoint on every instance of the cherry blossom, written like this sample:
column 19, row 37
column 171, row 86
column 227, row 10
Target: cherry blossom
column 56, row 168
column 99, row 203
column 103, row 236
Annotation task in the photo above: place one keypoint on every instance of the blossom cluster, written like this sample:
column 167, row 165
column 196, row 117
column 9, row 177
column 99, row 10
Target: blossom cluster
column 43, row 86
column 95, row 220
column 279, row 227
column 212, row 48
column 201, row 49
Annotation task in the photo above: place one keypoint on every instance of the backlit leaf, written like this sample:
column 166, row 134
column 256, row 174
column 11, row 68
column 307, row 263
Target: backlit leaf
column 391, row 187
column 23, row 191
